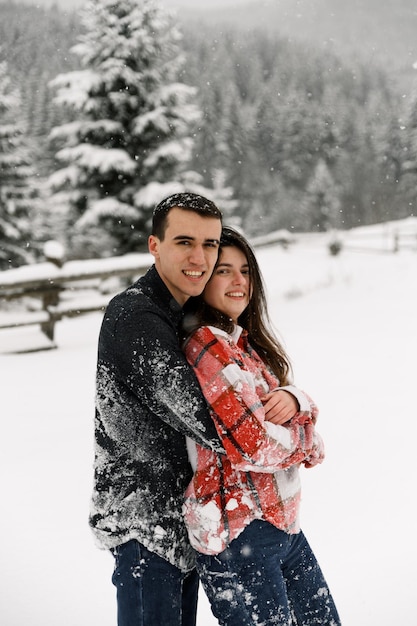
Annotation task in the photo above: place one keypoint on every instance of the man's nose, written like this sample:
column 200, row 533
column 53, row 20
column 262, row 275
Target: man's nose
column 197, row 255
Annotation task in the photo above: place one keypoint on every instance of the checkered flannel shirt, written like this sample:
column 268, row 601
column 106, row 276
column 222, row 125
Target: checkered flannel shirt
column 258, row 478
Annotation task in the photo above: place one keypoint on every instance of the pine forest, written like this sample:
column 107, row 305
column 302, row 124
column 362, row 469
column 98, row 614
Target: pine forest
column 105, row 111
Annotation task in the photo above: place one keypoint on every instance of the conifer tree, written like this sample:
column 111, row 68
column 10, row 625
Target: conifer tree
column 321, row 200
column 130, row 143
column 15, row 172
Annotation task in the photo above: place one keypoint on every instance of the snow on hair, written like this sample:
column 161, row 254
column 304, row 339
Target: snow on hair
column 188, row 200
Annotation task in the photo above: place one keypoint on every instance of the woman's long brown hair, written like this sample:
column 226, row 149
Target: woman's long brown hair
column 254, row 319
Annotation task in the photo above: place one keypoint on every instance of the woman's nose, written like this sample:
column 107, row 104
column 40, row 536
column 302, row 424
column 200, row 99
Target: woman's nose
column 238, row 278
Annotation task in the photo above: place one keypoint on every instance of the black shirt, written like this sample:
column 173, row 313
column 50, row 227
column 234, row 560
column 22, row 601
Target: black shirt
column 147, row 401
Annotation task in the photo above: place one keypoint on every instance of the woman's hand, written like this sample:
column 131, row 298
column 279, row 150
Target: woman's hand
column 280, row 406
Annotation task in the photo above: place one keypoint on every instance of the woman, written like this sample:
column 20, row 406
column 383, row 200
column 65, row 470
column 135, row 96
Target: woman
column 241, row 509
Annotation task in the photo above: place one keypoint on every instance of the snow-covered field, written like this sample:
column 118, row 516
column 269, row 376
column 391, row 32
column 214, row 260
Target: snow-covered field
column 350, row 327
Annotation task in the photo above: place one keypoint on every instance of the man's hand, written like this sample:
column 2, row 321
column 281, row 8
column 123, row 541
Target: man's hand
column 280, row 406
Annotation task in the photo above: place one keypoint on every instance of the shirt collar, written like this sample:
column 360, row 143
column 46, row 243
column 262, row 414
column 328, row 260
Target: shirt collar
column 235, row 335
column 153, row 284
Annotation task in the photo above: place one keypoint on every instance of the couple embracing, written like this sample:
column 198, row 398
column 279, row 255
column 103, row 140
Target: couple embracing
column 199, row 437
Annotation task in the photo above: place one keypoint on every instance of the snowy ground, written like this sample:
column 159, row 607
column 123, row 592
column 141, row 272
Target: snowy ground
column 350, row 327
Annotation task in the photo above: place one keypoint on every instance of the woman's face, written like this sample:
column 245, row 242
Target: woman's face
column 229, row 288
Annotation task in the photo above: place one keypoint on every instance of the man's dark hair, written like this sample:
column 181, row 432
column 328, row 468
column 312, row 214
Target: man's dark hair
column 186, row 201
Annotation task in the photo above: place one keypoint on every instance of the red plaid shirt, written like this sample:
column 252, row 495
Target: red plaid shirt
column 258, row 478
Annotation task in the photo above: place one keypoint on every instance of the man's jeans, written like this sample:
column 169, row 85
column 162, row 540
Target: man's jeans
column 267, row 576
column 151, row 591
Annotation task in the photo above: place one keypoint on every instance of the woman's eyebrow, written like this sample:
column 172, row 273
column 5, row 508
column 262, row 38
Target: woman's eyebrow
column 245, row 265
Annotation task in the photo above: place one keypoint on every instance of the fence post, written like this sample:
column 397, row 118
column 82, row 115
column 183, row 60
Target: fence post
column 54, row 252
column 396, row 246
column 50, row 298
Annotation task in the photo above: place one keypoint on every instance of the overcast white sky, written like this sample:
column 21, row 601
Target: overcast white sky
column 204, row 4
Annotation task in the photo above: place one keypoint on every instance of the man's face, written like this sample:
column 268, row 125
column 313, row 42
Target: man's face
column 188, row 253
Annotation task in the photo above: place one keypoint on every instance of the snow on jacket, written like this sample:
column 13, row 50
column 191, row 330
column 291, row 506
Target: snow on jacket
column 259, row 477
column 147, row 401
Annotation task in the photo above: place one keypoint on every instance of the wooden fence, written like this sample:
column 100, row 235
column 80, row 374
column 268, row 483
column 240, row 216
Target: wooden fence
column 386, row 237
column 48, row 292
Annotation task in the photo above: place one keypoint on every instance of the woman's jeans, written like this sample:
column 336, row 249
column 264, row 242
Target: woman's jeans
column 264, row 577
column 151, row 591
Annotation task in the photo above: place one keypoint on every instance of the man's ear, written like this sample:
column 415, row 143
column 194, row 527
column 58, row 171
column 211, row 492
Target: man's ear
column 153, row 246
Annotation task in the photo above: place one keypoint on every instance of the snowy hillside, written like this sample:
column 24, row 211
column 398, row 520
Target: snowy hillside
column 349, row 324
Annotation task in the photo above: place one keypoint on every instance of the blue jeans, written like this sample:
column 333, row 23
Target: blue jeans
column 266, row 576
column 151, row 591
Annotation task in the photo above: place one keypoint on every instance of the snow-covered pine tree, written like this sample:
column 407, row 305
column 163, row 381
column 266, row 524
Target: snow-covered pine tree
column 321, row 200
column 16, row 193
column 131, row 142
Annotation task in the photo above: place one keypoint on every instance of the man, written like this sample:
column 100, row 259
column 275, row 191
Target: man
column 147, row 401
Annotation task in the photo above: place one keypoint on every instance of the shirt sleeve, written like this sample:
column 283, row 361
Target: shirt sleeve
column 145, row 351
column 250, row 444
column 308, row 411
